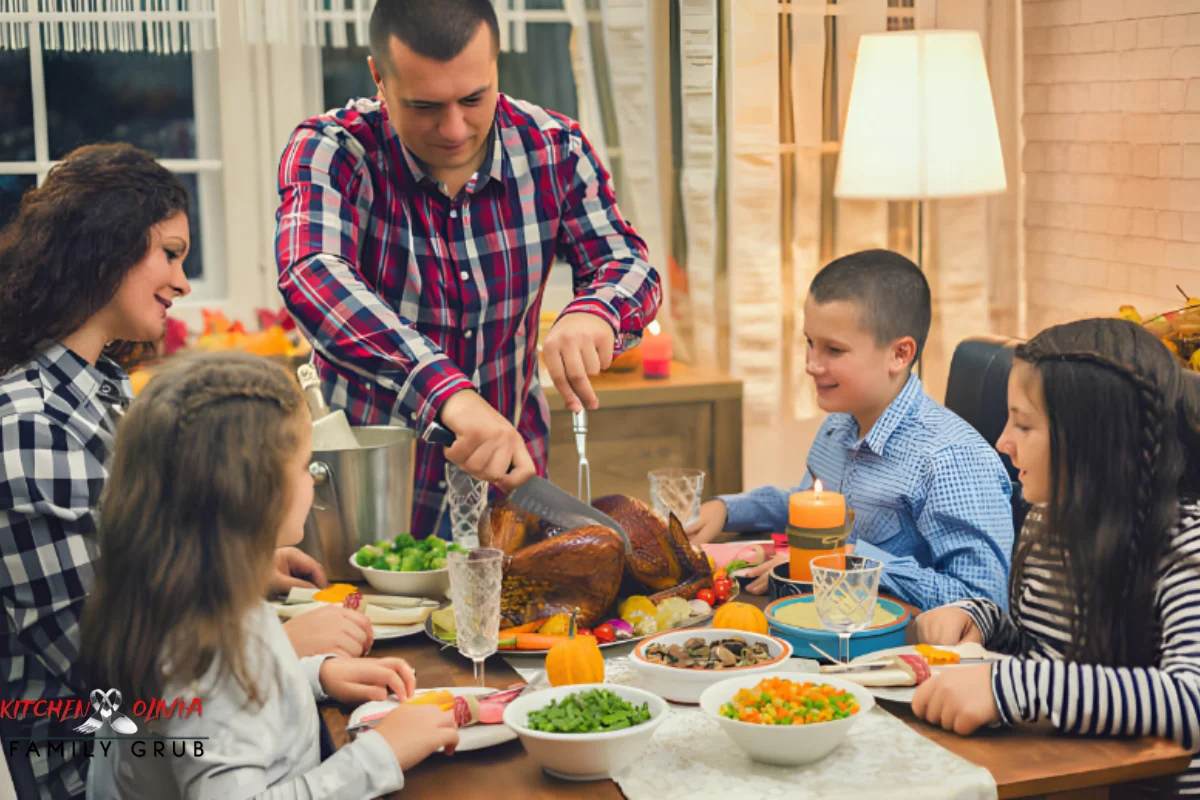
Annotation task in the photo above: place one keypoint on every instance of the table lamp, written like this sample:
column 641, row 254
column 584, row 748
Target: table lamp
column 921, row 123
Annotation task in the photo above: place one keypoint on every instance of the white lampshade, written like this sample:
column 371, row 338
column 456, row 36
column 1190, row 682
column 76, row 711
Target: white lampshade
column 921, row 122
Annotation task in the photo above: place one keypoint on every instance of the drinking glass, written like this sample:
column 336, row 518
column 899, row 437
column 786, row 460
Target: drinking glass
column 677, row 490
column 475, row 579
column 845, row 589
column 467, row 498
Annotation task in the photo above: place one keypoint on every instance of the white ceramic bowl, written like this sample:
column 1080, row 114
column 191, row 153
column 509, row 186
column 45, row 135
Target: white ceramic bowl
column 432, row 583
column 584, row 756
column 784, row 745
column 686, row 685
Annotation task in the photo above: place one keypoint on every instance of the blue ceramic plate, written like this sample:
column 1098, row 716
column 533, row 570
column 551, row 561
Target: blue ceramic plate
column 861, row 643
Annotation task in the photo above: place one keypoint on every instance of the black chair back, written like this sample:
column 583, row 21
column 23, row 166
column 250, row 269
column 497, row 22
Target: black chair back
column 977, row 390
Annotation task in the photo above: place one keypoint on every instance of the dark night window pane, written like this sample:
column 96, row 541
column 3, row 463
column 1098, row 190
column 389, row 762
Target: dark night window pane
column 16, row 98
column 542, row 74
column 345, row 75
column 11, row 189
column 141, row 98
column 193, row 265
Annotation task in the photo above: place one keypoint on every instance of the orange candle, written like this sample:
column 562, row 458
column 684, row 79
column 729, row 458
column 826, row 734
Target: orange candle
column 656, row 350
column 816, row 527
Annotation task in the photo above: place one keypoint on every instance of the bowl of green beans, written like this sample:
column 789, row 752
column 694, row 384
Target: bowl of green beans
column 586, row 732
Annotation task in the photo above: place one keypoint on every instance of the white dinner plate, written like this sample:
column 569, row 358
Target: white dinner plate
column 904, row 694
column 382, row 632
column 474, row 737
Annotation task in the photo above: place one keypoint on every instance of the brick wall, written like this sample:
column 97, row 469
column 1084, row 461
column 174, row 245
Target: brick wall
column 1112, row 155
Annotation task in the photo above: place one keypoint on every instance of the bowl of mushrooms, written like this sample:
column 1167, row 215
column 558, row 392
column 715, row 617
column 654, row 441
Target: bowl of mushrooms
column 679, row 665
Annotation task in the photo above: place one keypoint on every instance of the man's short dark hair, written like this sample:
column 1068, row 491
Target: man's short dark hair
column 437, row 29
column 890, row 290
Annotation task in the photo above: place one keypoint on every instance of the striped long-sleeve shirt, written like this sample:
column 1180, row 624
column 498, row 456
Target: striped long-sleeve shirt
column 1039, row 685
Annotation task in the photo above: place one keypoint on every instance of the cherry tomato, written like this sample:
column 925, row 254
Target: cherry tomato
column 604, row 633
column 721, row 590
column 719, row 575
column 583, row 632
column 705, row 595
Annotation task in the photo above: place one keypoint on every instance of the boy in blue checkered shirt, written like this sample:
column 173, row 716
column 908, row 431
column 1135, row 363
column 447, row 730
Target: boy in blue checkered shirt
column 931, row 498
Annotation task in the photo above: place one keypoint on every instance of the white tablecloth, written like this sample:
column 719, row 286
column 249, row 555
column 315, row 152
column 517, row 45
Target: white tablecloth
column 691, row 757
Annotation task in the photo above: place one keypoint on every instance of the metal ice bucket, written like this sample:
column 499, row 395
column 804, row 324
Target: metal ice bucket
column 361, row 496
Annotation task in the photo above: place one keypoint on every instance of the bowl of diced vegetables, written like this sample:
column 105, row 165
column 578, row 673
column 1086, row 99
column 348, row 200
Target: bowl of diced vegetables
column 786, row 718
column 585, row 732
column 406, row 566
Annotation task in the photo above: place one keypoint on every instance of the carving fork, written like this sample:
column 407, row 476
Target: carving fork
column 579, row 425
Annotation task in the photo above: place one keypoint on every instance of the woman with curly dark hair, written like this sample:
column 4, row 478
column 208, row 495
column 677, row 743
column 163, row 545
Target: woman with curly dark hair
column 91, row 263
column 94, row 256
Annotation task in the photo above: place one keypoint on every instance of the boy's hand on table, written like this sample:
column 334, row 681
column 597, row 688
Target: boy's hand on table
column 709, row 524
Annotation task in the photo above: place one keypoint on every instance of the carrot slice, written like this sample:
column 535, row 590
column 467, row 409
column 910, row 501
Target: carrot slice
column 530, row 641
column 335, row 593
column 528, row 627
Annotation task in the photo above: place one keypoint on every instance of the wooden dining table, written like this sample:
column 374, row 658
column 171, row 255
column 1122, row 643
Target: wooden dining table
column 1024, row 764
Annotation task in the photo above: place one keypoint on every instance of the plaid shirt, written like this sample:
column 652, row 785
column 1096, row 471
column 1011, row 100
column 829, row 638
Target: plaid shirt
column 58, row 416
column 410, row 296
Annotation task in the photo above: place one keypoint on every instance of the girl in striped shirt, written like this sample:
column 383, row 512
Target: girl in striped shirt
column 1104, row 596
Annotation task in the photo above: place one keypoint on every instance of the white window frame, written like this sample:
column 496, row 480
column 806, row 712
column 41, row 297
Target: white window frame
column 206, row 166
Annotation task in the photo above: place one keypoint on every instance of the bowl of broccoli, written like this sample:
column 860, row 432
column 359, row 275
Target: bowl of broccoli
column 406, row 566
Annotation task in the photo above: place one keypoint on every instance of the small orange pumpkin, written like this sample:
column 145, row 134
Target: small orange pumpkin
column 741, row 617
column 575, row 660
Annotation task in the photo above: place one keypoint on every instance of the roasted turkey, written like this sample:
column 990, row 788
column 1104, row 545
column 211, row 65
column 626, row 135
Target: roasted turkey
column 549, row 571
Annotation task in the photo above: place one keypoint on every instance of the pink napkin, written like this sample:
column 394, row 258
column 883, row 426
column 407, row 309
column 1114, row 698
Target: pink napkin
column 722, row 554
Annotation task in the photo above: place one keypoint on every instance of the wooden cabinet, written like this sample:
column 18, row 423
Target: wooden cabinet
column 692, row 419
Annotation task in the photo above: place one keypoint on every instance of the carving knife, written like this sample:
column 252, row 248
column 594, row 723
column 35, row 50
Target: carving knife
column 542, row 498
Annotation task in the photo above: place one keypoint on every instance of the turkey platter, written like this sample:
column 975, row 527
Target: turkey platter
column 549, row 571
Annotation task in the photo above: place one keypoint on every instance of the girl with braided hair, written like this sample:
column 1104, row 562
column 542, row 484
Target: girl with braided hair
column 209, row 477
column 1104, row 593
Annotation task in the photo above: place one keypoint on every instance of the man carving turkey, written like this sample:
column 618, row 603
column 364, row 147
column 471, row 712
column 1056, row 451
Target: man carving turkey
column 415, row 234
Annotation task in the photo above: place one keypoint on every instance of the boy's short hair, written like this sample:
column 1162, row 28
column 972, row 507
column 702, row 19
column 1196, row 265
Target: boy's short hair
column 889, row 288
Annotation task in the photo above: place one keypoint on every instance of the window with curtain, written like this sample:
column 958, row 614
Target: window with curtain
column 57, row 100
